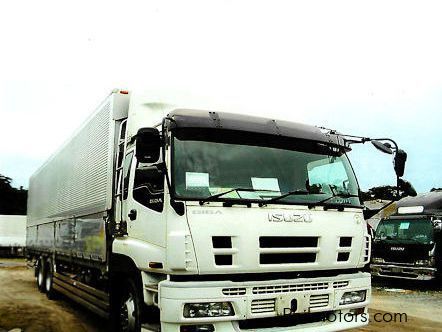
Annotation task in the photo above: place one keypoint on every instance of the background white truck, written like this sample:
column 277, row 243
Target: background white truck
column 12, row 235
column 173, row 219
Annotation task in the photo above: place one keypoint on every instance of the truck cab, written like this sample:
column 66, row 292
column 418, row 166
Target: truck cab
column 408, row 243
column 238, row 222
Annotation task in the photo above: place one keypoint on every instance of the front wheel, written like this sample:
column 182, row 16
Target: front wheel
column 129, row 308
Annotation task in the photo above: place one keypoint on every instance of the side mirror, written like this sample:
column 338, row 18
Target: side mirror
column 437, row 223
column 148, row 145
column 406, row 187
column 400, row 157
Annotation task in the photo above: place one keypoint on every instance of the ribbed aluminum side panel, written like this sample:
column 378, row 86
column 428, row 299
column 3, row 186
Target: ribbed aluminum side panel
column 76, row 180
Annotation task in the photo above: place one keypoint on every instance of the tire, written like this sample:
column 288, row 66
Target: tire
column 41, row 275
column 51, row 293
column 130, row 305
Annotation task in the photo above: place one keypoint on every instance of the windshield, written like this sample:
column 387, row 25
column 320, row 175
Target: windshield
column 203, row 168
column 417, row 230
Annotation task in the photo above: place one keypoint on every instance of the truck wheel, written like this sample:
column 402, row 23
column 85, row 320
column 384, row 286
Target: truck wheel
column 49, row 280
column 129, row 309
column 41, row 275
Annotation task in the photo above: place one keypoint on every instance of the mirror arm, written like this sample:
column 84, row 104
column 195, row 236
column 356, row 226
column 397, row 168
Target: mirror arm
column 351, row 139
column 396, row 148
column 177, row 206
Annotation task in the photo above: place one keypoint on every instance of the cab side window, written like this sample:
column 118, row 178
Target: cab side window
column 149, row 186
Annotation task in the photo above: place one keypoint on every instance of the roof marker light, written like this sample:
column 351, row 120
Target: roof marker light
column 410, row 209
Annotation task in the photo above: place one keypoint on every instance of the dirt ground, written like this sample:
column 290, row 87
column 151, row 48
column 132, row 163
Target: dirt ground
column 24, row 308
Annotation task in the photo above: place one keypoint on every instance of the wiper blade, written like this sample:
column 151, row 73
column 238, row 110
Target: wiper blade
column 414, row 240
column 290, row 193
column 335, row 194
column 387, row 238
column 214, row 197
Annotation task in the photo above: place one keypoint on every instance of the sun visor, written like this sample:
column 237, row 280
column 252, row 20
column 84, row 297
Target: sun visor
column 186, row 118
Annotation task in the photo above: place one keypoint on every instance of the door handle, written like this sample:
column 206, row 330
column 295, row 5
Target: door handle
column 132, row 214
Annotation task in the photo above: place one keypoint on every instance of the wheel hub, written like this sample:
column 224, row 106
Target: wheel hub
column 40, row 277
column 127, row 315
column 48, row 281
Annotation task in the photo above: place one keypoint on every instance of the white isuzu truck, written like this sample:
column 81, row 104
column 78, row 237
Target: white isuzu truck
column 171, row 219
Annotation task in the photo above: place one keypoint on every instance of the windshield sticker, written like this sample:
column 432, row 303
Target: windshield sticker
column 265, row 184
column 404, row 225
column 197, row 180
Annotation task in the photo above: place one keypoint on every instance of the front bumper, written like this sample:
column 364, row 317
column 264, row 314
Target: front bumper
column 403, row 271
column 261, row 303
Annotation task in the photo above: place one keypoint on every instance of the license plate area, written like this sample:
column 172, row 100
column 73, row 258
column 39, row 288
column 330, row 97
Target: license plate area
column 290, row 304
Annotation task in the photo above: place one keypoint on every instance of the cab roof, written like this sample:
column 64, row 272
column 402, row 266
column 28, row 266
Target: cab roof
column 431, row 202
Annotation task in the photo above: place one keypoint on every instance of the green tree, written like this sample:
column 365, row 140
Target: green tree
column 12, row 200
column 388, row 193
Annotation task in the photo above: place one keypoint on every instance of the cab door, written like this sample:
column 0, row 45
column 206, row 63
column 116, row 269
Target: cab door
column 145, row 203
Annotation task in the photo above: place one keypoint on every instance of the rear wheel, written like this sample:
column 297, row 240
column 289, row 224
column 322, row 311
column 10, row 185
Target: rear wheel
column 41, row 275
column 49, row 280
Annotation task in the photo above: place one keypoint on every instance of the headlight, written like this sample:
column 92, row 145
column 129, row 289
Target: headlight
column 377, row 260
column 353, row 297
column 210, row 309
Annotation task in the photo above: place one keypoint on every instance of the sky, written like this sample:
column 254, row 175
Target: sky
column 369, row 68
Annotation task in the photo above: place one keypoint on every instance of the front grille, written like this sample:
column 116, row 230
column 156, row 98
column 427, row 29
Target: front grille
column 222, row 242
column 345, row 241
column 287, row 258
column 340, row 284
column 263, row 306
column 367, row 249
column 319, row 301
column 234, row 291
column 290, row 288
column 223, row 260
column 343, row 256
column 288, row 242
column 288, row 249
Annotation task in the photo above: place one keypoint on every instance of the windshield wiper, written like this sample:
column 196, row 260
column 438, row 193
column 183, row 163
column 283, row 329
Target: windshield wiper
column 383, row 239
column 215, row 196
column 342, row 195
column 413, row 240
column 334, row 194
column 290, row 193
